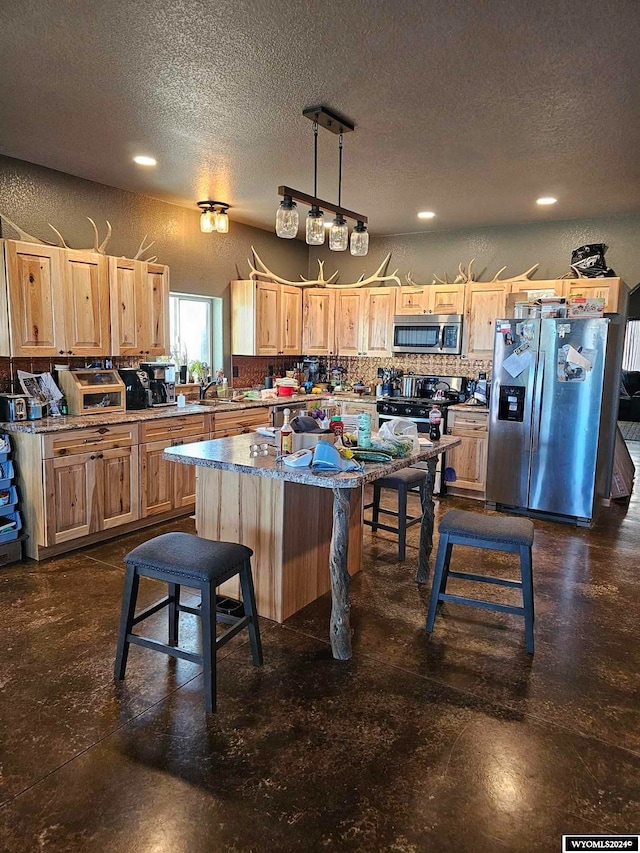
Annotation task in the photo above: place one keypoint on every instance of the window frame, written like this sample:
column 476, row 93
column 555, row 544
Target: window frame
column 214, row 312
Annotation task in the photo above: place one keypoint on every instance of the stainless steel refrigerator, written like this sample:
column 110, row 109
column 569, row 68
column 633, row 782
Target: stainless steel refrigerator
column 552, row 416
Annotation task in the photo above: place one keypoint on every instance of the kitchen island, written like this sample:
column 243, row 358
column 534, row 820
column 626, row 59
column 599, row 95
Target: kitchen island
column 297, row 522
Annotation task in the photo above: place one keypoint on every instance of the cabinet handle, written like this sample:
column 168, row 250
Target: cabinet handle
column 60, row 352
column 92, row 440
column 100, row 455
column 69, row 352
column 92, row 457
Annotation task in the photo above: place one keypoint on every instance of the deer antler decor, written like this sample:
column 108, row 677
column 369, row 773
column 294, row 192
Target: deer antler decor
column 142, row 249
column 378, row 277
column 464, row 276
column 260, row 270
column 524, row 276
column 29, row 238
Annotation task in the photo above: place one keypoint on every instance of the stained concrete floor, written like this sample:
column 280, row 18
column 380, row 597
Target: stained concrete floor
column 458, row 741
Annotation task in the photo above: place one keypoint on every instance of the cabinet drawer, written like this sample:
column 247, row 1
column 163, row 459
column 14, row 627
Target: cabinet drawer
column 81, row 440
column 469, row 420
column 189, row 439
column 237, row 420
column 168, row 428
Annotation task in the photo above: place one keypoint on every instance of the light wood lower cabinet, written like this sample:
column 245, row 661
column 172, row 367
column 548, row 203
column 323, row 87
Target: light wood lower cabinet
column 89, row 492
column 165, row 486
column 469, row 459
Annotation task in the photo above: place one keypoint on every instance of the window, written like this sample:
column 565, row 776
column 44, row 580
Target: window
column 631, row 357
column 196, row 329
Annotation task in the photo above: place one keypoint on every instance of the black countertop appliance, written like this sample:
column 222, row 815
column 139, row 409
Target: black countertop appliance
column 136, row 383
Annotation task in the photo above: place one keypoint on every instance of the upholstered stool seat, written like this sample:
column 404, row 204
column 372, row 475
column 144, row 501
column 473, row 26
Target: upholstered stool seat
column 183, row 559
column 496, row 533
column 402, row 481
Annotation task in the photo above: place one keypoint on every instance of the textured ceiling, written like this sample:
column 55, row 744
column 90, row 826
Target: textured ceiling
column 471, row 109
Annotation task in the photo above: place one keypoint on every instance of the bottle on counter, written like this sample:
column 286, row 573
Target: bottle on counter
column 435, row 419
column 364, row 429
column 286, row 435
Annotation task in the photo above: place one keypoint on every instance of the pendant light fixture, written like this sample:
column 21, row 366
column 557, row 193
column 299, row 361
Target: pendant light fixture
column 315, row 223
column 214, row 217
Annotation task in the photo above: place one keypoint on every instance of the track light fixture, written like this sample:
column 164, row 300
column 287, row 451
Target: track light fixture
column 287, row 215
column 214, row 217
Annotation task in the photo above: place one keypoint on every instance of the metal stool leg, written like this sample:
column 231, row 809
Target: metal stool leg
column 402, row 523
column 375, row 510
column 208, row 611
column 441, row 560
column 127, row 613
column 174, row 613
column 249, row 601
column 527, row 595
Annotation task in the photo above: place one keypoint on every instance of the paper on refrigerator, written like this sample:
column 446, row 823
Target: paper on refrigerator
column 517, row 362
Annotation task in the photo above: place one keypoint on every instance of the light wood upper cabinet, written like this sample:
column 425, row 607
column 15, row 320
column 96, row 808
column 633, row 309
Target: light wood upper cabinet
column 318, row 321
column 378, row 321
column 485, row 303
column 139, row 307
column 86, row 303
column 350, row 316
column 290, row 320
column 446, row 299
column 609, row 289
column 36, row 299
column 412, row 300
column 266, row 318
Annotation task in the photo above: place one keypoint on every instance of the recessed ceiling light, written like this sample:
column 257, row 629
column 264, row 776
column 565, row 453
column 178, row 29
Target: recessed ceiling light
column 426, row 214
column 143, row 160
column 546, row 199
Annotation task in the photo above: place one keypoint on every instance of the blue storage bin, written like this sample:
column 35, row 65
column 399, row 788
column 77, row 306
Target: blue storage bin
column 11, row 534
column 5, row 438
column 7, row 508
column 6, row 474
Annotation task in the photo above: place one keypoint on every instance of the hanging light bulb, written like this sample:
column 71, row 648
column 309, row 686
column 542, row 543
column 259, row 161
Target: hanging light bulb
column 339, row 234
column 207, row 221
column 315, row 227
column 360, row 239
column 287, row 219
column 222, row 222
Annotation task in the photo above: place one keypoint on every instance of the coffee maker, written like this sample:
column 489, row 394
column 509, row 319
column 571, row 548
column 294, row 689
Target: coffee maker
column 137, row 389
column 162, row 382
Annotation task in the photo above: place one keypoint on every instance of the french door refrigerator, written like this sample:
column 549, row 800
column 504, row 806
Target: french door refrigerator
column 550, row 437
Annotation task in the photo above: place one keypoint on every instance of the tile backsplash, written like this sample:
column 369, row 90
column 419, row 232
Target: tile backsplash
column 248, row 371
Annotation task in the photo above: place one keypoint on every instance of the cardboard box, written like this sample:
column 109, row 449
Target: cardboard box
column 585, row 306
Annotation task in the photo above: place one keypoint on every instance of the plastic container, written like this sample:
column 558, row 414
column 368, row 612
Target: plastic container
column 364, row 429
column 12, row 534
column 6, row 474
column 285, row 390
column 9, row 506
column 5, row 442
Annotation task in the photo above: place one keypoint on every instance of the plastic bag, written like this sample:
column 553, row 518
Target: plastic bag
column 396, row 428
column 588, row 261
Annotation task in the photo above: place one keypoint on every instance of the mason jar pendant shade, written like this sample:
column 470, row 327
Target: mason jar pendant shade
column 339, row 234
column 222, row 222
column 360, row 240
column 315, row 227
column 208, row 222
column 287, row 219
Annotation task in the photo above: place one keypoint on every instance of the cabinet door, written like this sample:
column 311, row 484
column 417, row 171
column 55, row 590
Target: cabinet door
column 469, row 459
column 607, row 289
column 184, row 480
column 156, row 479
column 73, row 506
column 127, row 314
column 86, row 304
column 36, row 299
column 290, row 320
column 485, row 303
column 412, row 300
column 446, row 299
column 318, row 327
column 378, row 321
column 117, row 479
column 350, row 308
column 155, row 307
column 267, row 318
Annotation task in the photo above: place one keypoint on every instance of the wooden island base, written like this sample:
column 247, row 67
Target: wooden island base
column 287, row 525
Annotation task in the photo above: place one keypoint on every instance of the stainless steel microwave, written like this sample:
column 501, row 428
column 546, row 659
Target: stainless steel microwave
column 440, row 334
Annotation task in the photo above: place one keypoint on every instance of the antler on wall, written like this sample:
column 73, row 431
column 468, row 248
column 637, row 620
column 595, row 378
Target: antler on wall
column 29, row 238
column 260, row 270
column 379, row 276
column 523, row 276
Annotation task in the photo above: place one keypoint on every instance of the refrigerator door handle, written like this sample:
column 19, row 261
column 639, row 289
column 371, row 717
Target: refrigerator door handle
column 537, row 402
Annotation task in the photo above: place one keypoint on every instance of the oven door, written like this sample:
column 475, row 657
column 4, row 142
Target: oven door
column 438, row 333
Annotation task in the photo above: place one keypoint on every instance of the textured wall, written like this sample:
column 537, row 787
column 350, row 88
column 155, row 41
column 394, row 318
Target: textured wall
column 518, row 246
column 200, row 263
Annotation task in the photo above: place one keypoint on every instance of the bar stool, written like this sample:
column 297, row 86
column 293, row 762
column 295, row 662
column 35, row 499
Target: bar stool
column 402, row 482
column 514, row 535
column 184, row 559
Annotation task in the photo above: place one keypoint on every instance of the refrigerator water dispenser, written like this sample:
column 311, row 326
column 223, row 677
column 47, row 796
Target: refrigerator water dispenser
column 511, row 403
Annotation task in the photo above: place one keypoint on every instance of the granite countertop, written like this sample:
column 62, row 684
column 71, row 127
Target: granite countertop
column 232, row 454
column 60, row 424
